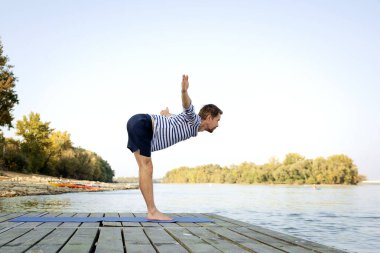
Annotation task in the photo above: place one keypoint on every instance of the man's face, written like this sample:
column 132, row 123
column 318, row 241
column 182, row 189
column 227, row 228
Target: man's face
column 213, row 123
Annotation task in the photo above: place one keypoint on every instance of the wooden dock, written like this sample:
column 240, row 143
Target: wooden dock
column 224, row 235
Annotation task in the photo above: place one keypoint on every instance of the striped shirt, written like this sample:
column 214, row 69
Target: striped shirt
column 175, row 128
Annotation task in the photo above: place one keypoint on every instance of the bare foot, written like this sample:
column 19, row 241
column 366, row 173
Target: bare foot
column 157, row 215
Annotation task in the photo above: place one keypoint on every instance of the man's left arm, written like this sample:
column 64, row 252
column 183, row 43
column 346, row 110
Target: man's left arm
column 186, row 101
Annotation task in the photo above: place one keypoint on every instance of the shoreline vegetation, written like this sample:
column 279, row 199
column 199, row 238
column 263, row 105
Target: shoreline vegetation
column 295, row 169
column 13, row 184
column 42, row 150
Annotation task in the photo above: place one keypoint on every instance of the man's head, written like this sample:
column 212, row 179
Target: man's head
column 210, row 115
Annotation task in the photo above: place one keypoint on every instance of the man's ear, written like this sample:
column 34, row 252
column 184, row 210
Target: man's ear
column 209, row 117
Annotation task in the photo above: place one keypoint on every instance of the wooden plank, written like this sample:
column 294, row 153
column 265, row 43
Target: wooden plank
column 129, row 224
column 202, row 224
column 11, row 216
column 54, row 241
column 30, row 224
column 4, row 214
column 111, row 224
column 26, row 241
column 73, row 224
column 185, row 224
column 272, row 241
column 224, row 221
column 83, row 241
column 190, row 241
column 6, row 225
column 296, row 240
column 12, row 234
column 243, row 241
column 136, row 240
column 53, row 224
column 216, row 240
column 162, row 241
column 110, row 240
column 92, row 224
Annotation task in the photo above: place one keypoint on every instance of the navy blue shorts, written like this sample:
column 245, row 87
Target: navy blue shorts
column 140, row 134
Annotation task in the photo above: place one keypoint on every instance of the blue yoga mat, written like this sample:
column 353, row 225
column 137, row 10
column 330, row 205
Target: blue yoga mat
column 108, row 219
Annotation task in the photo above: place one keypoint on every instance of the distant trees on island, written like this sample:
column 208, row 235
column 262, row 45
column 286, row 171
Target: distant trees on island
column 41, row 149
column 295, row 169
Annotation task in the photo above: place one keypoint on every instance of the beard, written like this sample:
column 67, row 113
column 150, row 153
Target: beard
column 210, row 130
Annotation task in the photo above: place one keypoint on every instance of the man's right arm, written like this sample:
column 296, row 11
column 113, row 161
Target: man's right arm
column 186, row 101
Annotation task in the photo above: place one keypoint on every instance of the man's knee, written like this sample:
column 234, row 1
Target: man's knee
column 147, row 166
column 143, row 161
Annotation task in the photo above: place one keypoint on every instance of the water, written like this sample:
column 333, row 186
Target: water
column 345, row 217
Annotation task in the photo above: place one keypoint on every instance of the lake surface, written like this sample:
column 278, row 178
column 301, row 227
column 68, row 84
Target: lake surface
column 345, row 217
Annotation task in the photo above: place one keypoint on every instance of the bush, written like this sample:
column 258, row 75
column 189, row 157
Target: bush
column 16, row 161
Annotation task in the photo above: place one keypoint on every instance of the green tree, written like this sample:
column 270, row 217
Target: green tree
column 8, row 96
column 231, row 176
column 59, row 142
column 293, row 158
column 268, row 170
column 342, row 170
column 107, row 173
column 66, row 165
column 36, row 142
column 320, row 170
column 13, row 158
column 2, row 147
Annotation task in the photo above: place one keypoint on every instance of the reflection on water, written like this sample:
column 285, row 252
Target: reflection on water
column 347, row 217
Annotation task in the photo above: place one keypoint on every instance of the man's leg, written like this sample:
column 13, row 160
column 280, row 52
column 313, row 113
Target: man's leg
column 146, row 186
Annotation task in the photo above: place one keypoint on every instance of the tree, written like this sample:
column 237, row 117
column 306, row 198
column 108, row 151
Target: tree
column 2, row 147
column 13, row 158
column 320, row 170
column 342, row 170
column 107, row 173
column 60, row 142
column 8, row 96
column 292, row 158
column 36, row 140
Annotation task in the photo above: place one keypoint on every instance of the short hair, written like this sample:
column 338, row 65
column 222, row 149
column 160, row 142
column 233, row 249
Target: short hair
column 209, row 109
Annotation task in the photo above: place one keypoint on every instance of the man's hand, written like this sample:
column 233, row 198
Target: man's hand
column 186, row 101
column 185, row 83
column 165, row 112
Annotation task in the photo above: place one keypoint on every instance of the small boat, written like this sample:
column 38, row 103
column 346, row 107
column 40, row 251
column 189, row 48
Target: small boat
column 71, row 185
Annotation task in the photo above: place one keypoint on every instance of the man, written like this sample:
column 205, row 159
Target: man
column 148, row 133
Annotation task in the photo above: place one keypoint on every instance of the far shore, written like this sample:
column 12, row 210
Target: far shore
column 371, row 182
column 277, row 184
column 14, row 184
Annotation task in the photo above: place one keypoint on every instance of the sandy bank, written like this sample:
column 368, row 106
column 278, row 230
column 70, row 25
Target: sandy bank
column 17, row 184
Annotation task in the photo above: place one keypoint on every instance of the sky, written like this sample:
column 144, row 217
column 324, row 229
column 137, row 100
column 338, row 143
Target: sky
column 290, row 76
